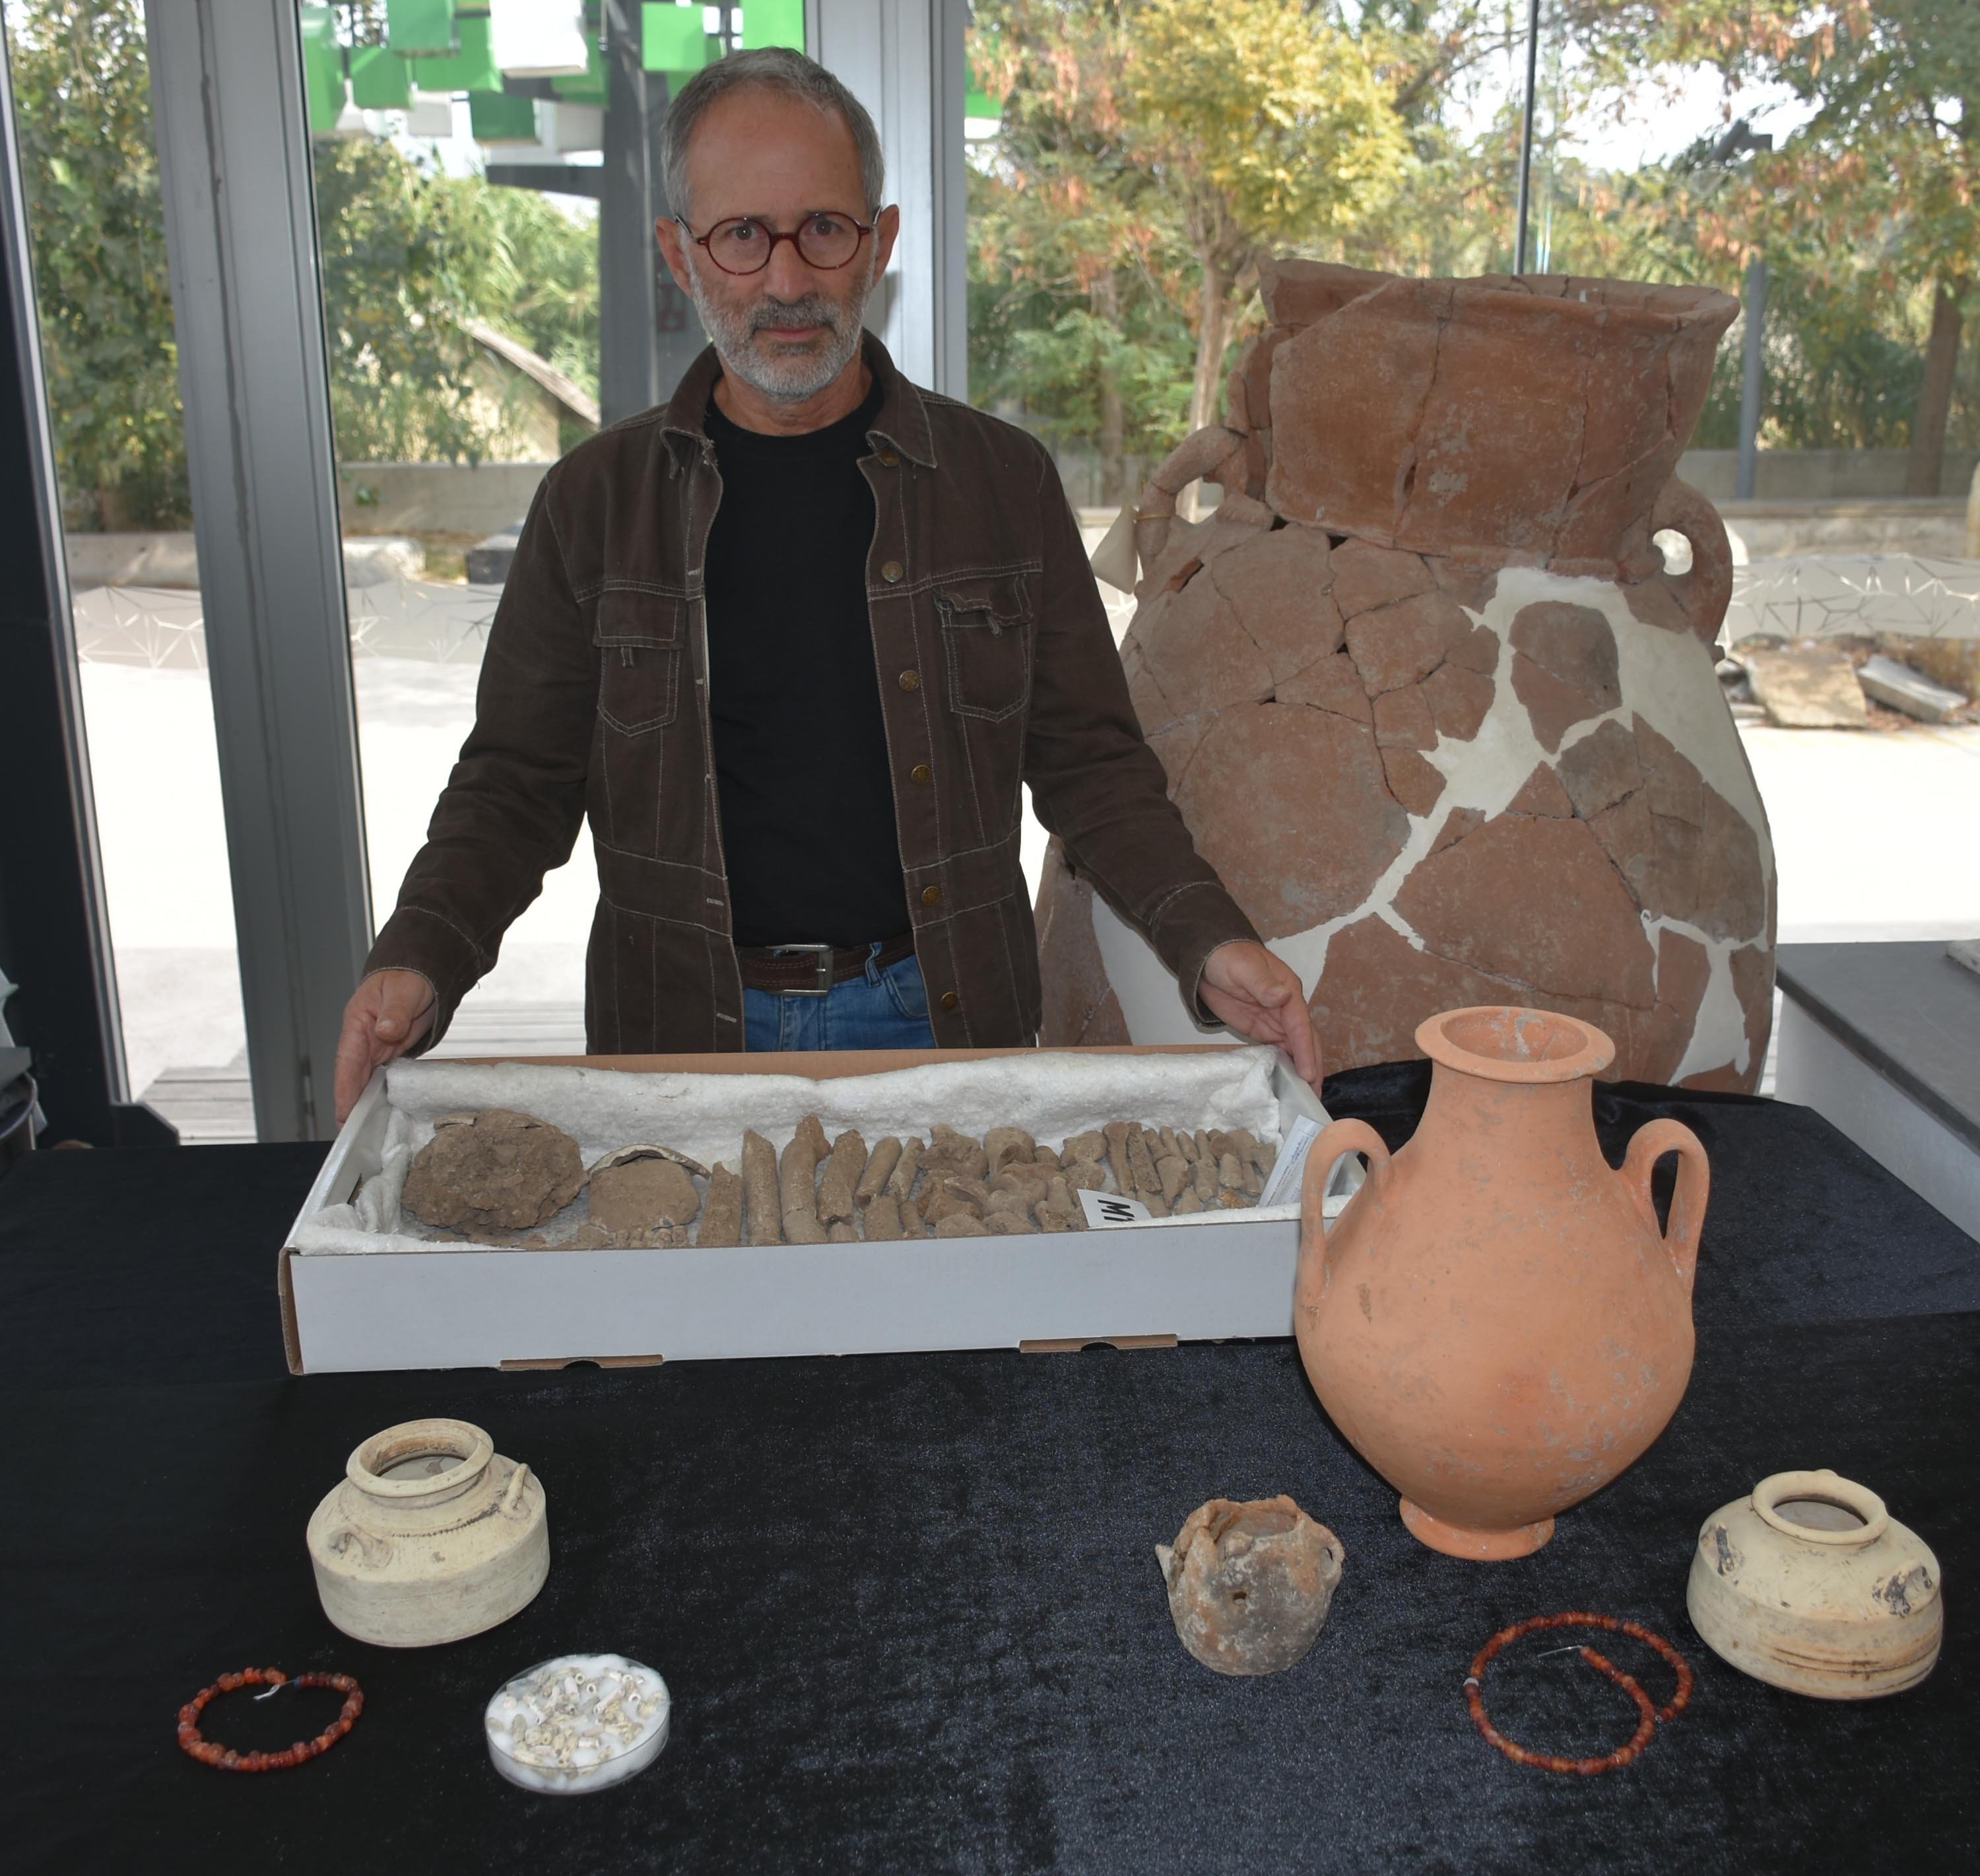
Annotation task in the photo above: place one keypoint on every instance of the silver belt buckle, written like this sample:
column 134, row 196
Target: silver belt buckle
column 823, row 987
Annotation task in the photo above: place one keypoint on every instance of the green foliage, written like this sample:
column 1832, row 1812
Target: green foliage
column 1860, row 214
column 411, row 257
column 1150, row 152
column 82, row 103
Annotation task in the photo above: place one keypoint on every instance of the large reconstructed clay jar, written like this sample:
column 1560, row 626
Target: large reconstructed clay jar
column 1496, row 1323
column 1428, row 696
column 432, row 1536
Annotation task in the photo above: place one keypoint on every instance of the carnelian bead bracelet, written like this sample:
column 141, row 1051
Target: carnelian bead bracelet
column 1648, row 1715
column 224, row 1758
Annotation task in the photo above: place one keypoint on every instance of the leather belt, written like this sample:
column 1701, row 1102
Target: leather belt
column 811, row 970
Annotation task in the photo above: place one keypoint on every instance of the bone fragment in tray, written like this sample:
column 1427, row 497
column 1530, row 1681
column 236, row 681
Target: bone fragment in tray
column 797, row 1179
column 841, row 1178
column 1004, row 1146
column 943, row 1195
column 759, row 1190
column 901, row 1181
column 1147, row 1185
column 951, row 1152
column 1203, row 1177
column 882, row 1218
column 636, row 1197
column 880, row 1164
column 495, row 1171
column 721, row 1210
column 1117, row 1132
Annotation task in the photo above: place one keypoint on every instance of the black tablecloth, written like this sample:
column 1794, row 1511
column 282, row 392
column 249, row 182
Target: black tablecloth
column 909, row 1605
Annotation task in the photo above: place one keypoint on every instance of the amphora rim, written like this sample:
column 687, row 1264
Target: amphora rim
column 1508, row 1043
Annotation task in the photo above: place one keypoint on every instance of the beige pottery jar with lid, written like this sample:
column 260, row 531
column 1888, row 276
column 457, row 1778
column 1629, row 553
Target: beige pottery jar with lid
column 1810, row 1583
column 1496, row 1323
column 432, row 1536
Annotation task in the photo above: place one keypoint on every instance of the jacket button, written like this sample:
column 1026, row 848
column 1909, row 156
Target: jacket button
column 911, row 680
column 921, row 772
column 950, row 1000
column 930, row 895
column 892, row 572
column 889, row 460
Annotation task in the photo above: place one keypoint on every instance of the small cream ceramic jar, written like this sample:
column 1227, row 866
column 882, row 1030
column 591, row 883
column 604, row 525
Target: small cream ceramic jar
column 432, row 1536
column 1810, row 1583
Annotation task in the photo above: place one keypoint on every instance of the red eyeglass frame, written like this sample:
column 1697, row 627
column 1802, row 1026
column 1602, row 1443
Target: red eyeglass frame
column 701, row 241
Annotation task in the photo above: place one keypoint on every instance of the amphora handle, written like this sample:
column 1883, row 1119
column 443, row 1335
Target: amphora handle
column 1694, row 1187
column 1339, row 1138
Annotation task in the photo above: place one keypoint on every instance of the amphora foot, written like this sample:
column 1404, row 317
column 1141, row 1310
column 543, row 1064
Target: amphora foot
column 1458, row 1540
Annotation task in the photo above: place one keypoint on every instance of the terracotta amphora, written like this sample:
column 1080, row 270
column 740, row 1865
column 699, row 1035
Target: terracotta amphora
column 1496, row 1323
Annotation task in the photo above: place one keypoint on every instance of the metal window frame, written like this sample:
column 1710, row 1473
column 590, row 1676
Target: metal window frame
column 54, row 920
column 234, row 155
column 904, row 61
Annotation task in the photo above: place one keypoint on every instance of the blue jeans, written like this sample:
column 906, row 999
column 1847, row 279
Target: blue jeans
column 884, row 1009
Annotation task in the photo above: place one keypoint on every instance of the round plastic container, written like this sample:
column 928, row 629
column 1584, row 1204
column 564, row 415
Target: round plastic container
column 580, row 1723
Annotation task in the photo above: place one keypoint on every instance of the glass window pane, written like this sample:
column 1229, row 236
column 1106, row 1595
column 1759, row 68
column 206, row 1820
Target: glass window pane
column 461, row 199
column 1130, row 165
column 82, row 104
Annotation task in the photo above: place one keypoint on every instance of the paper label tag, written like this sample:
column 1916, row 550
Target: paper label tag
column 1103, row 1209
column 1289, row 1169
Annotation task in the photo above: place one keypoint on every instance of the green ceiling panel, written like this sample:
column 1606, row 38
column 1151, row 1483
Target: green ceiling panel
column 671, row 39
column 773, row 22
column 499, row 118
column 379, row 80
column 323, row 68
column 419, row 27
column 472, row 68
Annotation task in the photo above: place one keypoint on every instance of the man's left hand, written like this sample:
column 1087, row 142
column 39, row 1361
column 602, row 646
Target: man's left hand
column 1259, row 996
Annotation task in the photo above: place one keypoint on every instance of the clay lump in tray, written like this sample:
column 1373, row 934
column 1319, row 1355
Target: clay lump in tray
column 498, row 1177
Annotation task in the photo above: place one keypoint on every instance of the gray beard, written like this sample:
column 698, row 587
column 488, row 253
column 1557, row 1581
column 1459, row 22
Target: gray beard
column 798, row 376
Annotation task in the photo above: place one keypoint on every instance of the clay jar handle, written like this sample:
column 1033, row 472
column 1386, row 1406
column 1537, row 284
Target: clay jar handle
column 1706, row 590
column 512, row 1499
column 1340, row 1138
column 373, row 1553
column 1214, row 453
column 1694, row 1187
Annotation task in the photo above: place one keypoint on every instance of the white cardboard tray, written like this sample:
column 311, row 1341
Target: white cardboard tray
column 1209, row 1276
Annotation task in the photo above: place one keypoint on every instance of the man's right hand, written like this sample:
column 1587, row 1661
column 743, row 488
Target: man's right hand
column 388, row 1013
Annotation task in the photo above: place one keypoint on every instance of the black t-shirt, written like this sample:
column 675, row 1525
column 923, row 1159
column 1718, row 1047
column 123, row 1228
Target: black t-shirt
column 801, row 770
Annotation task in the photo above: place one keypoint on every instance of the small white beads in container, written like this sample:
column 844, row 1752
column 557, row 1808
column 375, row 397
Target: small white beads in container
column 578, row 1724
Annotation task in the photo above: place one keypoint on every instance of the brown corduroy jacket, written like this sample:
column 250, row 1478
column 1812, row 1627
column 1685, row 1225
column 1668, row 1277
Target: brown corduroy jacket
column 995, row 666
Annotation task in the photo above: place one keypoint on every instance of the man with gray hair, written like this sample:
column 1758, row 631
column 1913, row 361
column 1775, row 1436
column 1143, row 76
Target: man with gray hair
column 796, row 641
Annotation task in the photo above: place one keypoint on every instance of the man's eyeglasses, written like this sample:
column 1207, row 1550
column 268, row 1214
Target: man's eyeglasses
column 743, row 244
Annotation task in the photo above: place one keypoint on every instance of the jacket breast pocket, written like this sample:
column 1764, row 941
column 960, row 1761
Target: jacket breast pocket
column 639, row 636
column 986, row 638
